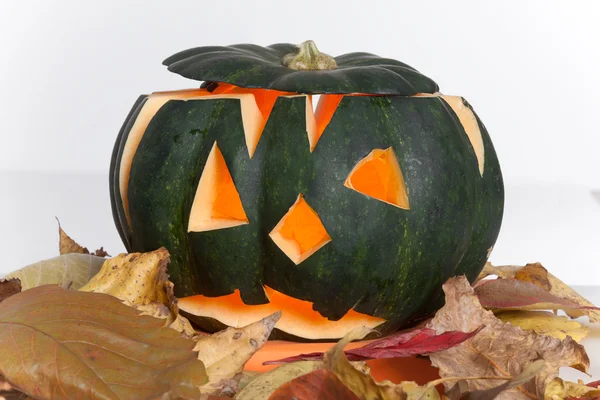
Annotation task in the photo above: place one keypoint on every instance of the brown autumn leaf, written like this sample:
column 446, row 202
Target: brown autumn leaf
column 14, row 395
column 65, row 344
column 140, row 280
column 69, row 270
column 225, row 353
column 66, row 245
column 545, row 323
column 7, row 392
column 537, row 274
column 362, row 384
column 513, row 294
column 321, row 384
column 8, row 287
column 560, row 390
column 460, row 390
column 264, row 385
column 500, row 349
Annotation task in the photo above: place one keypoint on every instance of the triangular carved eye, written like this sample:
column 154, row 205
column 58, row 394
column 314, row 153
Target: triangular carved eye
column 217, row 203
column 300, row 233
column 378, row 175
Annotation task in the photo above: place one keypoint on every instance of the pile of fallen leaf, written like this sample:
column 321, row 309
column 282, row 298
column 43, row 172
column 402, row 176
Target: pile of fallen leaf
column 84, row 326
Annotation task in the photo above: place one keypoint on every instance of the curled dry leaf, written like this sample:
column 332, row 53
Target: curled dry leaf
column 560, row 390
column 264, row 385
column 140, row 280
column 8, row 287
column 321, row 384
column 417, row 341
column 363, row 385
column 528, row 374
column 66, row 245
column 69, row 269
column 65, row 344
column 538, row 275
column 225, row 353
column 545, row 323
column 500, row 349
column 513, row 294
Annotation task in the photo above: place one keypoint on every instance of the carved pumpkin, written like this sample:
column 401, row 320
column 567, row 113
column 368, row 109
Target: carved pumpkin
column 349, row 212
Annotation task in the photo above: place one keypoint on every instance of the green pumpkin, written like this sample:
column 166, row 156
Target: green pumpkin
column 355, row 214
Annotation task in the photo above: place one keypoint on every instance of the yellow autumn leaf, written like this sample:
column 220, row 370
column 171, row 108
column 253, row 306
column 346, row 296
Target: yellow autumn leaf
column 558, row 389
column 225, row 353
column 545, row 323
column 140, row 281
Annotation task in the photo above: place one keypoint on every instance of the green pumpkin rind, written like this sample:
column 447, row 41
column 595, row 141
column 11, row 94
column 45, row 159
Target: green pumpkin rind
column 114, row 181
column 252, row 66
column 489, row 211
column 382, row 261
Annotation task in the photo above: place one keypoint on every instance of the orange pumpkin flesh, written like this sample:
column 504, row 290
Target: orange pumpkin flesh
column 392, row 369
column 378, row 175
column 217, row 202
column 300, row 233
column 297, row 315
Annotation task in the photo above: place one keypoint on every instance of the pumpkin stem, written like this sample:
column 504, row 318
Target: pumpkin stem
column 309, row 58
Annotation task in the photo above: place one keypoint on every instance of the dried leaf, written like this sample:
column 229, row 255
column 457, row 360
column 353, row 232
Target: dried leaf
column 66, row 245
column 560, row 390
column 8, row 287
column 247, row 378
column 500, row 349
column 140, row 280
column 14, row 395
column 320, row 384
column 263, row 386
column 73, row 269
column 408, row 343
column 101, row 253
column 363, row 385
column 545, row 323
column 65, row 344
column 225, row 353
column 4, row 386
column 537, row 274
column 512, row 294
column 529, row 372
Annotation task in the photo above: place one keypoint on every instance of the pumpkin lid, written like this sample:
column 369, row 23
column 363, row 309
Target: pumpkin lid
column 301, row 69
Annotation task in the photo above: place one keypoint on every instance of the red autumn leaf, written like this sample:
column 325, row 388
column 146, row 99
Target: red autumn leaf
column 514, row 294
column 321, row 384
column 402, row 344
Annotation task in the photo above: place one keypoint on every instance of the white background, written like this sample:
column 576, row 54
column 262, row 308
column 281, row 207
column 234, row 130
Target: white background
column 70, row 71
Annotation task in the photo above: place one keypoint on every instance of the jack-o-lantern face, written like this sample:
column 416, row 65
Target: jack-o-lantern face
column 349, row 212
